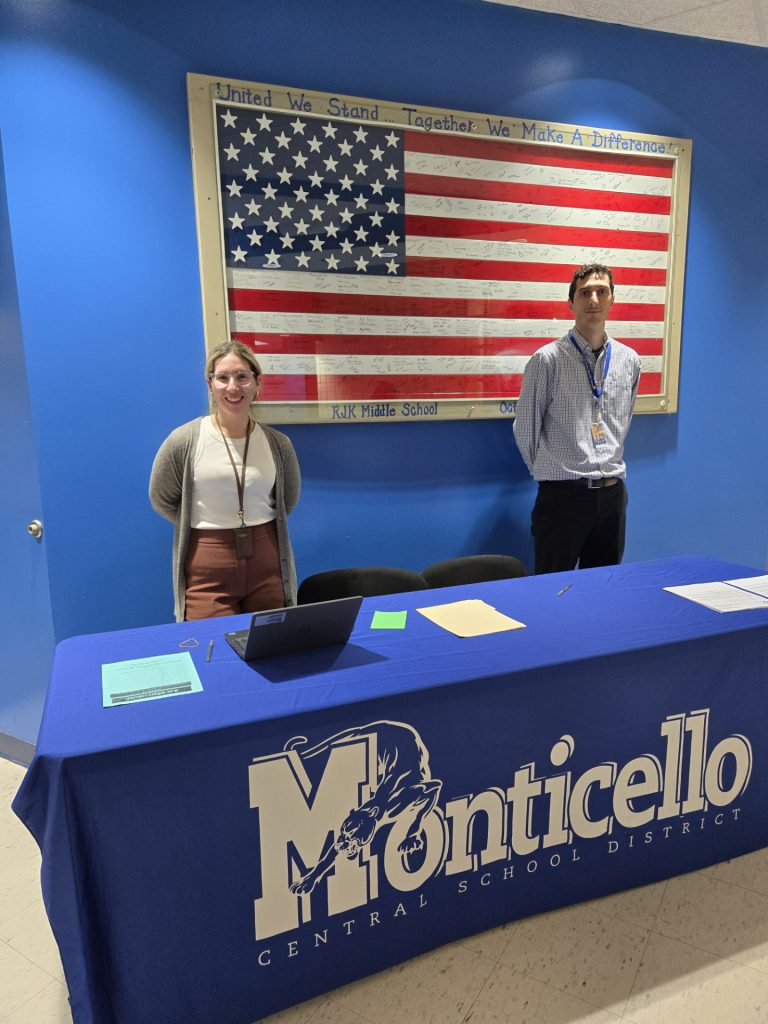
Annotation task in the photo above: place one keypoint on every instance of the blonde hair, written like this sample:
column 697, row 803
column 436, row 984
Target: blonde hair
column 236, row 348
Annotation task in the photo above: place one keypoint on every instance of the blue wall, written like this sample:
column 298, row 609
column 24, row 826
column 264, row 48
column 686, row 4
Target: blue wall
column 94, row 116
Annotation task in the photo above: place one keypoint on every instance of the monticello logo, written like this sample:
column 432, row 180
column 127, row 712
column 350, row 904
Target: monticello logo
column 377, row 777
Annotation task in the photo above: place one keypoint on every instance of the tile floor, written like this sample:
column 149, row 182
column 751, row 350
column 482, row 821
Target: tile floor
column 693, row 950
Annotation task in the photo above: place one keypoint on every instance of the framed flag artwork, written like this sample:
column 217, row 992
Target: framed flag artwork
column 395, row 262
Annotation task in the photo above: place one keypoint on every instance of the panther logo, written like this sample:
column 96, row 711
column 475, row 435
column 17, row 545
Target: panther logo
column 403, row 786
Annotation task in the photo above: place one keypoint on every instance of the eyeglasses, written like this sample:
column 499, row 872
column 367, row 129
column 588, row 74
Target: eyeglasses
column 221, row 380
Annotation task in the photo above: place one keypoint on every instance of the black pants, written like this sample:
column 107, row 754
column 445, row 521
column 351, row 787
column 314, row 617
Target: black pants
column 572, row 524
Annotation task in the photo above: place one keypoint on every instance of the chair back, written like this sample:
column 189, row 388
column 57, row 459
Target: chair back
column 369, row 581
column 455, row 572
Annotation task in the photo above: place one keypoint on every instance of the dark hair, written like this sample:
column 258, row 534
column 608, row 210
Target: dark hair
column 236, row 348
column 587, row 270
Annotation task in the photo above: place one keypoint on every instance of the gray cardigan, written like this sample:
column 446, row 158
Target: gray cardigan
column 170, row 491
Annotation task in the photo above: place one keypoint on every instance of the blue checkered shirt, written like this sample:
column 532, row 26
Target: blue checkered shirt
column 556, row 407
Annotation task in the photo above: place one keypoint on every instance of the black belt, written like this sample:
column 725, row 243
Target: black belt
column 583, row 481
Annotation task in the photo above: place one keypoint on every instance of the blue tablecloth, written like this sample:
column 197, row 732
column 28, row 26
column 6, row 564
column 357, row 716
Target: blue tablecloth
column 618, row 739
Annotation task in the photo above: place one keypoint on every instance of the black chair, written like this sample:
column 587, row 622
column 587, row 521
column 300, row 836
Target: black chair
column 369, row 581
column 455, row 572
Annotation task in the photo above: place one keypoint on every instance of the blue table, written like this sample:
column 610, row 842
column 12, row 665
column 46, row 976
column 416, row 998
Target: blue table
column 189, row 869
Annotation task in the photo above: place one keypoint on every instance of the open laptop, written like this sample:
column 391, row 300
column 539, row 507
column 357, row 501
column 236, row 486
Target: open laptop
column 301, row 627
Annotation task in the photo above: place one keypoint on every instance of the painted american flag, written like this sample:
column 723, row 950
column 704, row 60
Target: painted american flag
column 369, row 263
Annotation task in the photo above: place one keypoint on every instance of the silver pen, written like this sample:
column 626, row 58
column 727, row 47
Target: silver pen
column 210, row 651
column 566, row 587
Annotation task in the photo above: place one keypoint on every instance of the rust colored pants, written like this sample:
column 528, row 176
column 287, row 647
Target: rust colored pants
column 218, row 583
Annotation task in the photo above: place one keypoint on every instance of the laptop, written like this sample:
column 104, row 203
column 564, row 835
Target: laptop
column 301, row 627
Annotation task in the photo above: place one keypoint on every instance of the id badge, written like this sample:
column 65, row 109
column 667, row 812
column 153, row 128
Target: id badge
column 243, row 543
column 598, row 433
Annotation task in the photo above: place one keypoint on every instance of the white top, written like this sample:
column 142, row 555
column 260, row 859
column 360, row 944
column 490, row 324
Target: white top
column 214, row 491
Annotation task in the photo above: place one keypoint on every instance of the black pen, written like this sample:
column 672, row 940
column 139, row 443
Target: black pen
column 210, row 651
column 566, row 587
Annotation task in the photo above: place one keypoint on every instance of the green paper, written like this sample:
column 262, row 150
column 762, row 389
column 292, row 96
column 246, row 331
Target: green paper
column 167, row 675
column 389, row 620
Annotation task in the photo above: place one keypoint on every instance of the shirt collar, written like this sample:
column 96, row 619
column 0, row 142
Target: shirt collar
column 585, row 346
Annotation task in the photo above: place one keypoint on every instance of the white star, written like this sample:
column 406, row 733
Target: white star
column 331, row 164
column 391, row 267
column 391, row 206
column 360, row 135
column 270, row 192
column 391, row 139
column 254, row 238
column 331, row 197
column 360, row 167
column 316, row 212
column 236, row 221
column 330, row 130
column 239, row 254
column 300, row 227
column 345, row 182
column 282, row 140
column 346, row 246
column 267, row 156
column 377, row 153
column 316, row 243
column 270, row 224
column 251, row 174
column 231, row 152
column 391, row 172
column 228, row 119
column 361, row 234
column 273, row 259
column 377, row 188
column 298, row 127
column 285, row 211
column 300, row 160
column 234, row 189
column 303, row 259
column 332, row 230
column 286, row 241
column 265, row 122
column 332, row 262
column 248, row 137
column 301, row 194
column 360, row 201
column 393, row 239
column 345, row 147
column 253, row 207
column 314, row 144
column 315, row 179
column 346, row 216
column 284, row 176
column 361, row 264
column 376, row 220
column 376, row 250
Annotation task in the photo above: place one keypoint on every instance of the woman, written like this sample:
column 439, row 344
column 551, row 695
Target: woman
column 227, row 484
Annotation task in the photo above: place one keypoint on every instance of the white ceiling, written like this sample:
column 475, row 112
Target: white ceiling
column 737, row 21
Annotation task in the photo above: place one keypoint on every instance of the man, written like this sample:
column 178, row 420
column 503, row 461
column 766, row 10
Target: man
column 573, row 415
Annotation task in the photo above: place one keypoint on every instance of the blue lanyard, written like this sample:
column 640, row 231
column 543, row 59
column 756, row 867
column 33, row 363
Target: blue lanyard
column 596, row 391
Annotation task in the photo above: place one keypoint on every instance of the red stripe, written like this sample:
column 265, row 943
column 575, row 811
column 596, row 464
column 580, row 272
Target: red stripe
column 362, row 388
column 542, row 234
column 430, row 306
column 538, row 195
column 503, row 270
column 532, row 153
column 413, row 345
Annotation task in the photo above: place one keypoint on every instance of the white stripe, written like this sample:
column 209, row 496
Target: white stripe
column 423, row 326
column 536, row 174
column 393, row 366
column 529, row 213
column 522, row 252
column 421, row 287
